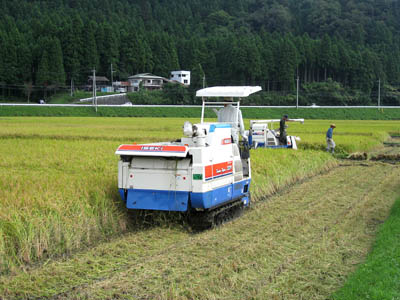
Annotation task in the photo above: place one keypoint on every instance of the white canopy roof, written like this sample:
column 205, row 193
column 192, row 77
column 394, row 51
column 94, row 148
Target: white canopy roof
column 228, row 91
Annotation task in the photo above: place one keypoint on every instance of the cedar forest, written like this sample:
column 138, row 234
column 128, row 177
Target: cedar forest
column 346, row 45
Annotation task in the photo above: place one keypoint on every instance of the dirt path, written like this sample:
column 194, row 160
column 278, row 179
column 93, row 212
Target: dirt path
column 300, row 244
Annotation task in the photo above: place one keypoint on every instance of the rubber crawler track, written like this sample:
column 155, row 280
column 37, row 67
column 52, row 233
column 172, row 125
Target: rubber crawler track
column 210, row 218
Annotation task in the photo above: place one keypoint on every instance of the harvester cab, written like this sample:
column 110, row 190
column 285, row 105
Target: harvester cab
column 262, row 134
column 203, row 173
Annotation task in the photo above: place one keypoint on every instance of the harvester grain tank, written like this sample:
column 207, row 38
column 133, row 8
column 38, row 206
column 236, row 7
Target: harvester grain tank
column 204, row 173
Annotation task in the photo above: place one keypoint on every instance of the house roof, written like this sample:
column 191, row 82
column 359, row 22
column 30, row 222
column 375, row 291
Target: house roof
column 145, row 76
column 99, row 78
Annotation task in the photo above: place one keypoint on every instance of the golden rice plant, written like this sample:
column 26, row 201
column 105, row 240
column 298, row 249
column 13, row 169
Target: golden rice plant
column 55, row 197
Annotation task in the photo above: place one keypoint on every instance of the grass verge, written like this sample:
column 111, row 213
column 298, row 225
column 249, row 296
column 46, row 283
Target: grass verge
column 66, row 98
column 379, row 276
column 190, row 112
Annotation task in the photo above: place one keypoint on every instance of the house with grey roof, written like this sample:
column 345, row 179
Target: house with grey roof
column 147, row 81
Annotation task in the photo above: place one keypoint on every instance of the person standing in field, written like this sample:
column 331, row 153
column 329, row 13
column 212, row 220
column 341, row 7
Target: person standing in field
column 282, row 129
column 330, row 144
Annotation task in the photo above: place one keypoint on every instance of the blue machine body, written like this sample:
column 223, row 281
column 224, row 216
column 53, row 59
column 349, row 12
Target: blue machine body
column 179, row 201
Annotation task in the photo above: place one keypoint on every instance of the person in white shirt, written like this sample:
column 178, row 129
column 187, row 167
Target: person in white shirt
column 233, row 116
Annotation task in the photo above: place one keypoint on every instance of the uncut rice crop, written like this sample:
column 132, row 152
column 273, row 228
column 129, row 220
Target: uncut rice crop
column 58, row 183
column 56, row 196
column 350, row 136
column 273, row 169
column 124, row 130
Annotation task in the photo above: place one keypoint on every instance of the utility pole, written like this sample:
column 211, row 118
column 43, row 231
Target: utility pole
column 94, row 90
column 72, row 87
column 297, row 94
column 204, row 80
column 379, row 93
column 112, row 82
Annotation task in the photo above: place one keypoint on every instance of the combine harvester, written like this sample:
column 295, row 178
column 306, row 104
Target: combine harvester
column 203, row 174
column 262, row 134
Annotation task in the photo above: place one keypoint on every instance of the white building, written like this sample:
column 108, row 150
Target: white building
column 181, row 76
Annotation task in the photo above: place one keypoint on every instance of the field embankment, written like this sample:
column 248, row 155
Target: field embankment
column 300, row 244
column 194, row 112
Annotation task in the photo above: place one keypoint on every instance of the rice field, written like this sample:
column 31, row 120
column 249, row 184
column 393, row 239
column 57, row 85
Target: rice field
column 301, row 243
column 58, row 183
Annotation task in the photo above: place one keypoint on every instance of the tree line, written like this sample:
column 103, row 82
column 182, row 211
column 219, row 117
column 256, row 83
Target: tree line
column 49, row 43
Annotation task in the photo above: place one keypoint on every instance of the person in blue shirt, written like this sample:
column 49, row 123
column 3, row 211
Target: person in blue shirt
column 330, row 144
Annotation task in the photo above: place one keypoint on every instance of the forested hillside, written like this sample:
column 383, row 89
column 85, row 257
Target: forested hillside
column 351, row 44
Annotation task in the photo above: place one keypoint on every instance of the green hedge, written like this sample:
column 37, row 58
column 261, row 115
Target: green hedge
column 194, row 112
